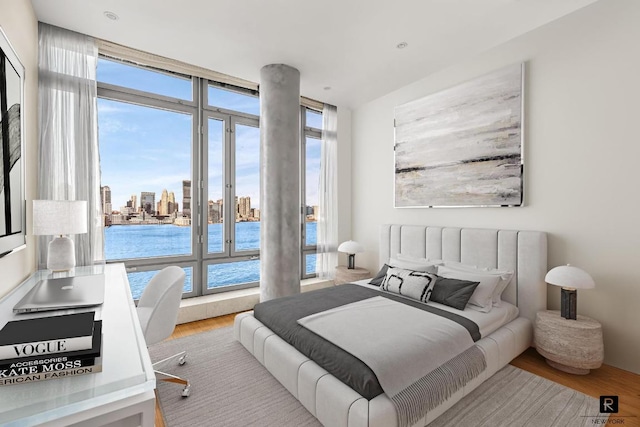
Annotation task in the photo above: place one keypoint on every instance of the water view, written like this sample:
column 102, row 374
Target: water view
column 149, row 241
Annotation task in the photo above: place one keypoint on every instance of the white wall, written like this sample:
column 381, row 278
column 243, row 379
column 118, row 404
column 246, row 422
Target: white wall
column 582, row 155
column 19, row 23
column 344, row 178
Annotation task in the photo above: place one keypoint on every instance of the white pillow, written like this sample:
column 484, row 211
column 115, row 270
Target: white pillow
column 482, row 297
column 504, row 275
column 416, row 285
column 425, row 265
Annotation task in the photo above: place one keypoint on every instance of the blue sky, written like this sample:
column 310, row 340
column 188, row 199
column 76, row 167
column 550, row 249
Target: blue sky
column 148, row 149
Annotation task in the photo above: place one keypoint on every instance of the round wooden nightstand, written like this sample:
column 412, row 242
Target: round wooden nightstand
column 346, row 275
column 573, row 346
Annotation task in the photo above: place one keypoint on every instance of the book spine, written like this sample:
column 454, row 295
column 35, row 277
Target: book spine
column 45, row 347
column 22, row 379
column 44, row 365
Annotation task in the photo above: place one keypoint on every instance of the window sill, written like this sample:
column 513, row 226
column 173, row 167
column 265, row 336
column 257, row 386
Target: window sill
column 205, row 307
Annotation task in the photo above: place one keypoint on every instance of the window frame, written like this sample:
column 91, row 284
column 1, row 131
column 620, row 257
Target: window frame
column 305, row 131
column 200, row 110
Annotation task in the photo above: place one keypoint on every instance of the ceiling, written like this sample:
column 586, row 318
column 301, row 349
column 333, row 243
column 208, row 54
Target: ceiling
column 346, row 50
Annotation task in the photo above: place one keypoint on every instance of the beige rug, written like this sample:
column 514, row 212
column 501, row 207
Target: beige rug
column 230, row 388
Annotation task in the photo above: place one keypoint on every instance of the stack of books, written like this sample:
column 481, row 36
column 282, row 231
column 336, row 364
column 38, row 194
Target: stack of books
column 50, row 347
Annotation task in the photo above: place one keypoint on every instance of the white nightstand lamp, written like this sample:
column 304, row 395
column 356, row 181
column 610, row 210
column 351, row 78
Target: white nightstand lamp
column 58, row 218
column 570, row 278
column 352, row 248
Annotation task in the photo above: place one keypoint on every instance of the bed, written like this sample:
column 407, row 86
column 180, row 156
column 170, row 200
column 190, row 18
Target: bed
column 334, row 403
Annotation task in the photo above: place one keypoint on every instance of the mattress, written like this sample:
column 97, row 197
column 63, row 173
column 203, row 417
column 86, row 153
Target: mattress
column 281, row 317
column 487, row 322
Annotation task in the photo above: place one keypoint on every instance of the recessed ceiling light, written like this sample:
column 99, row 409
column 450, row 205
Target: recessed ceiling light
column 327, row 88
column 111, row 15
column 402, row 45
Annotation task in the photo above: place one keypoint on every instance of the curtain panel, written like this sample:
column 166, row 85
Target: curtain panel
column 327, row 232
column 69, row 165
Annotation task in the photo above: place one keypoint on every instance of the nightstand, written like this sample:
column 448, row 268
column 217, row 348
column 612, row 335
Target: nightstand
column 573, row 346
column 346, row 275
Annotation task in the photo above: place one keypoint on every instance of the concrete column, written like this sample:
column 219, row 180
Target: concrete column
column 280, row 181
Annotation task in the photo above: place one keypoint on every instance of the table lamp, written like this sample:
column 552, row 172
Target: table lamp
column 58, row 218
column 570, row 279
column 352, row 248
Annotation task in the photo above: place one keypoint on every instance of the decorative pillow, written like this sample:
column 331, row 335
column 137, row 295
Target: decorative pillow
column 504, row 275
column 481, row 299
column 453, row 292
column 427, row 266
column 380, row 276
column 416, row 285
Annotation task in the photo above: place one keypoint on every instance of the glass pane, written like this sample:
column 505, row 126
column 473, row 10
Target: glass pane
column 235, row 101
column 145, row 158
column 310, row 261
column 138, row 281
column 215, row 202
column 314, row 119
column 312, row 181
column 233, row 273
column 130, row 76
column 247, row 203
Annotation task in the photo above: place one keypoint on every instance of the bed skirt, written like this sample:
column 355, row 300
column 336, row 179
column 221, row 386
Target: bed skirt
column 336, row 405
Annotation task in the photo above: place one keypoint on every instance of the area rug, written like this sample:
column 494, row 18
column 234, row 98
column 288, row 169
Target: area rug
column 230, row 388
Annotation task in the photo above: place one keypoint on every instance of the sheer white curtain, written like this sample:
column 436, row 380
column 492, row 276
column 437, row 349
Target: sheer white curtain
column 327, row 233
column 69, row 167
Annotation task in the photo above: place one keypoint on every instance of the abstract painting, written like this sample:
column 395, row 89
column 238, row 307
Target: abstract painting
column 462, row 146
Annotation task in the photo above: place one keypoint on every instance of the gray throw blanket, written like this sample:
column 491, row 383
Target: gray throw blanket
column 420, row 358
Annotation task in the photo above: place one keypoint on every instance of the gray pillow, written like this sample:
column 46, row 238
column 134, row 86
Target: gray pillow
column 453, row 292
column 380, row 276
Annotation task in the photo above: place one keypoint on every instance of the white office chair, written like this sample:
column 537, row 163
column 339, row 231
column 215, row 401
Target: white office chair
column 158, row 311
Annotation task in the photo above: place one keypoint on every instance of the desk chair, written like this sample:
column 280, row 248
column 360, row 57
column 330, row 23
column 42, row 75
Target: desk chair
column 158, row 311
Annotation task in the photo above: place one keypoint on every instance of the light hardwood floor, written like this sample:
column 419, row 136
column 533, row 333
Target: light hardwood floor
column 605, row 381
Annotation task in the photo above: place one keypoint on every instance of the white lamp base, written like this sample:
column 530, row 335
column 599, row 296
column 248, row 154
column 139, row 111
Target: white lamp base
column 61, row 255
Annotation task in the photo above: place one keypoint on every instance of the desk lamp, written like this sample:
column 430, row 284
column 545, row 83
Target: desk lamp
column 58, row 218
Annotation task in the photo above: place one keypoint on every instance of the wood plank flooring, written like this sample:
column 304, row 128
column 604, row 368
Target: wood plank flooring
column 605, row 381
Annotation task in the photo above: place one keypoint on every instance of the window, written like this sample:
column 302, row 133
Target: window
column 311, row 141
column 180, row 161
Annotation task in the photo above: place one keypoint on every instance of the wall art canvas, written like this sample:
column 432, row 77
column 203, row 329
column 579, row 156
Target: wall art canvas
column 12, row 204
column 462, row 146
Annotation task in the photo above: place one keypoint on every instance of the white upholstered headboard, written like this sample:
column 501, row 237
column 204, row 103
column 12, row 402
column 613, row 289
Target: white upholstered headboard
column 524, row 252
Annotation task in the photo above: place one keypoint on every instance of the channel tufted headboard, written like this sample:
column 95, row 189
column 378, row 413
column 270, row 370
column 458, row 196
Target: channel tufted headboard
column 524, row 252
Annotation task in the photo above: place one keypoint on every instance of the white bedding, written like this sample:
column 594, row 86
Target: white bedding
column 487, row 322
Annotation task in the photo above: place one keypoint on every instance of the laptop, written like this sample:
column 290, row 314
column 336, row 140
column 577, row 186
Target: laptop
column 63, row 293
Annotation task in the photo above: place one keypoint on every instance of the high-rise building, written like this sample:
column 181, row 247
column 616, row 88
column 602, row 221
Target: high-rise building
column 105, row 193
column 186, row 198
column 214, row 212
column 164, row 203
column 148, row 202
column 244, row 207
column 173, row 206
column 134, row 202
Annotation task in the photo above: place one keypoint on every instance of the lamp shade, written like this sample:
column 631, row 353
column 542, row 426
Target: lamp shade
column 569, row 276
column 350, row 247
column 58, row 217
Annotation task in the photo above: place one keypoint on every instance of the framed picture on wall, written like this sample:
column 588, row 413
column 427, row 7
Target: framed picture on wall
column 463, row 146
column 12, row 201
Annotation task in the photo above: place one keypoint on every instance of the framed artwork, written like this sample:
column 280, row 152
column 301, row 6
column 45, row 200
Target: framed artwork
column 463, row 146
column 12, row 201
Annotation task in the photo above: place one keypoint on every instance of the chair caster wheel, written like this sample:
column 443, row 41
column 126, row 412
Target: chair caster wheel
column 186, row 391
column 182, row 360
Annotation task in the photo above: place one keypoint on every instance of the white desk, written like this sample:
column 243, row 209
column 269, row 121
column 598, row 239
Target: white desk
column 121, row 395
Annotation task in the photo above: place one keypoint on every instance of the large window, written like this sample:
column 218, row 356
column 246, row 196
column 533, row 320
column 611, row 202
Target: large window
column 180, row 162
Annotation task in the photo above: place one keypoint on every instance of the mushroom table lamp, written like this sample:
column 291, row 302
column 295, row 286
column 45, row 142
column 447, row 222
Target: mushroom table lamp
column 570, row 279
column 352, row 248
